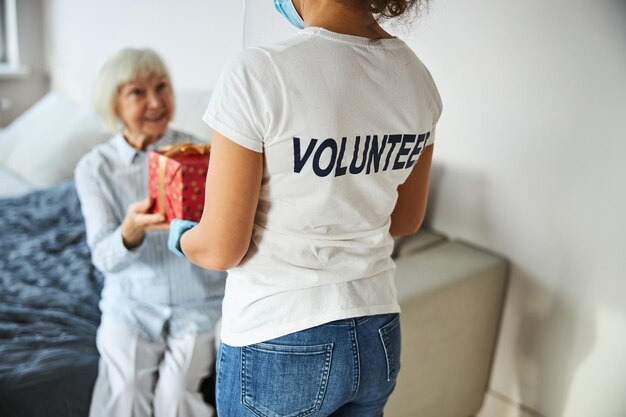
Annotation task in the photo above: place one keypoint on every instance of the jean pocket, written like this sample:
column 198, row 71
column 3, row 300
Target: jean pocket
column 284, row 380
column 390, row 337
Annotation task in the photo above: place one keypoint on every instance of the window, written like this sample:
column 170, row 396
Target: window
column 3, row 34
column 9, row 51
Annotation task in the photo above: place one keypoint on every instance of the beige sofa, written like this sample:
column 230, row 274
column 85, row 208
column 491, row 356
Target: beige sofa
column 452, row 295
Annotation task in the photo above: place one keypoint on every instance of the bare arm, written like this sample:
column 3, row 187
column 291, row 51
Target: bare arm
column 408, row 214
column 222, row 237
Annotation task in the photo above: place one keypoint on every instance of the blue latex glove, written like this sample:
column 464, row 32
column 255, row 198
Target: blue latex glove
column 177, row 228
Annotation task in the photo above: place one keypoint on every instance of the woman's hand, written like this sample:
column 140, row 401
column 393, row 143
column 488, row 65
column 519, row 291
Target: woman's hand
column 138, row 221
column 222, row 238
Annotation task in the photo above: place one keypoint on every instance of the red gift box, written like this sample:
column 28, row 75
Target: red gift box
column 176, row 180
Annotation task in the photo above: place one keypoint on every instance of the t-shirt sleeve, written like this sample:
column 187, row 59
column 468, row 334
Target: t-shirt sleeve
column 245, row 96
column 432, row 103
column 431, row 137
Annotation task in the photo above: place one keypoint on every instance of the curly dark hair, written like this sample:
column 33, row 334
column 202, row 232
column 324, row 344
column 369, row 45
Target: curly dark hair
column 389, row 9
column 392, row 8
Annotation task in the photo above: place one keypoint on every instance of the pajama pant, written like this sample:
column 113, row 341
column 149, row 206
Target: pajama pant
column 142, row 378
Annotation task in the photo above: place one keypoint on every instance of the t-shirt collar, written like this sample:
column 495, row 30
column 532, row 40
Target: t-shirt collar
column 352, row 39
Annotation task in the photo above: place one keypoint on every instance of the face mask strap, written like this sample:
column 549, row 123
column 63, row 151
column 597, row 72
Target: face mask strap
column 288, row 10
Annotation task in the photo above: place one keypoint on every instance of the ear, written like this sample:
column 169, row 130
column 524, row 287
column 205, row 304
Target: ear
column 118, row 121
column 116, row 105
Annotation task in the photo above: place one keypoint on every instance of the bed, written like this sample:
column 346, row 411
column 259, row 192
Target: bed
column 48, row 305
column 49, row 290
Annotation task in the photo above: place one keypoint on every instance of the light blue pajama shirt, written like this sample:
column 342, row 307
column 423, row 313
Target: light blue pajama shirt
column 147, row 288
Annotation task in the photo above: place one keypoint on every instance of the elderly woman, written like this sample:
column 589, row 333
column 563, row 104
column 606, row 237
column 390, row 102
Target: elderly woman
column 158, row 311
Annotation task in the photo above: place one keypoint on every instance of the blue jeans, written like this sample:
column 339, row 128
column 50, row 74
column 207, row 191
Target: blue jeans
column 344, row 368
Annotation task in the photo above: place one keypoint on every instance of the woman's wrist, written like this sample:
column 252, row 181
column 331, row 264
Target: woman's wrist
column 132, row 237
column 177, row 228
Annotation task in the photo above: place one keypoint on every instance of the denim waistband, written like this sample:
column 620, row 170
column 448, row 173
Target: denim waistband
column 355, row 321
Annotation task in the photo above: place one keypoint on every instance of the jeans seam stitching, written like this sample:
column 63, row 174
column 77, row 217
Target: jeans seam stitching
column 356, row 370
column 389, row 358
column 325, row 375
column 383, row 339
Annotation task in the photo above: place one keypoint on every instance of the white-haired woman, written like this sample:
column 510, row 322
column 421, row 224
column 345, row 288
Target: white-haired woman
column 158, row 311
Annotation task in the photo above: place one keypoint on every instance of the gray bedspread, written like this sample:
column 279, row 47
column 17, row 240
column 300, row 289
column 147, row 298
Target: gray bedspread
column 49, row 314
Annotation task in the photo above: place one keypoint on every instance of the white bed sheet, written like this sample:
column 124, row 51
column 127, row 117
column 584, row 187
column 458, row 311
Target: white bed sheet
column 11, row 185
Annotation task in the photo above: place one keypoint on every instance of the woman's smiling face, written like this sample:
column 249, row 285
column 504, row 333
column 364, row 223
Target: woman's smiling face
column 145, row 106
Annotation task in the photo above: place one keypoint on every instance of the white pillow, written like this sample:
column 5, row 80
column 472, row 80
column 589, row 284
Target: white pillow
column 4, row 145
column 44, row 144
column 12, row 186
column 190, row 106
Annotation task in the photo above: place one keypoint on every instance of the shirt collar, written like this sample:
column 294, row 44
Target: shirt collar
column 128, row 153
column 168, row 138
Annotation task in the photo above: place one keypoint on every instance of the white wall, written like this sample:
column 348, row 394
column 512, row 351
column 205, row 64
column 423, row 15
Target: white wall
column 263, row 24
column 195, row 37
column 530, row 152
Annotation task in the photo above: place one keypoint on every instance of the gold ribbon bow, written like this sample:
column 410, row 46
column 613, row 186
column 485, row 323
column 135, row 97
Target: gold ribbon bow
column 181, row 149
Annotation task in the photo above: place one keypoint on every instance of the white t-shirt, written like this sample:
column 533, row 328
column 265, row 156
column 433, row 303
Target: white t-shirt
column 340, row 120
